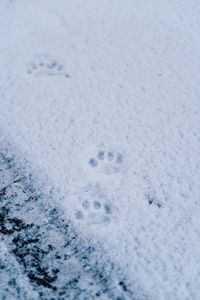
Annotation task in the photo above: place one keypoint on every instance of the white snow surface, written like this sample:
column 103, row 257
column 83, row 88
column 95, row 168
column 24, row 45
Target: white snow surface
column 102, row 98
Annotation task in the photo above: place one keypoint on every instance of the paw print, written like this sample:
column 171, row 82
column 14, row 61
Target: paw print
column 94, row 208
column 153, row 200
column 107, row 162
column 44, row 65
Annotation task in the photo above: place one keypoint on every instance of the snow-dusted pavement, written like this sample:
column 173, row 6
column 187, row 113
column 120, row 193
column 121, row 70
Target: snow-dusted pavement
column 99, row 108
column 42, row 256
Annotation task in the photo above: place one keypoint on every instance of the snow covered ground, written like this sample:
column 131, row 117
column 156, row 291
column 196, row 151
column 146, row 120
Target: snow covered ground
column 99, row 102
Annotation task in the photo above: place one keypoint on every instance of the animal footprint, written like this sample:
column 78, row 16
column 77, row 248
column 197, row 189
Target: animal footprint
column 153, row 200
column 94, row 208
column 44, row 65
column 107, row 162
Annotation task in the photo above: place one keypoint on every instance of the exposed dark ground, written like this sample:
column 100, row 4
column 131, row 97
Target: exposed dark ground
column 41, row 254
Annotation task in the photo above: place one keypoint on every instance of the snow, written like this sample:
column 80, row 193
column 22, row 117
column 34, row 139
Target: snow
column 82, row 78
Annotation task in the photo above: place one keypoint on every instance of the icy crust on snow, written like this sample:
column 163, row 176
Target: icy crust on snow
column 116, row 128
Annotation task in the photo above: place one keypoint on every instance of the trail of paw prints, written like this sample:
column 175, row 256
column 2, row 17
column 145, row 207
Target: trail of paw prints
column 45, row 65
column 107, row 161
column 93, row 208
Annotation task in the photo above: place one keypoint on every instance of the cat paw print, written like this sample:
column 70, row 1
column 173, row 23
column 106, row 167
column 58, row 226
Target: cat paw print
column 93, row 212
column 94, row 208
column 45, row 65
column 107, row 162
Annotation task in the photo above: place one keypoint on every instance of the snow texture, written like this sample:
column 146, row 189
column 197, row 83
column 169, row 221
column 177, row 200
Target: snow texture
column 99, row 101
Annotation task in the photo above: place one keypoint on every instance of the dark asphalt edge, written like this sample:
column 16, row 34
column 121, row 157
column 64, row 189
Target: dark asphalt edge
column 101, row 271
